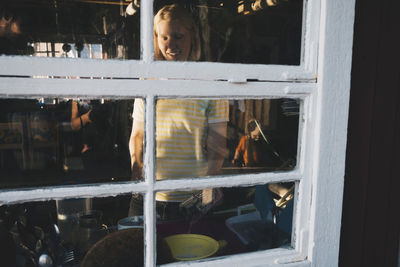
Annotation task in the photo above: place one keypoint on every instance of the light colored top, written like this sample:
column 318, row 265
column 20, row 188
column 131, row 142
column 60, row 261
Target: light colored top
column 181, row 138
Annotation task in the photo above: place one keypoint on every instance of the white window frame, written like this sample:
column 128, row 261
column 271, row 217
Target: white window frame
column 322, row 81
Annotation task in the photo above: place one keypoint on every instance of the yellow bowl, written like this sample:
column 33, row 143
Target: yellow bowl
column 188, row 247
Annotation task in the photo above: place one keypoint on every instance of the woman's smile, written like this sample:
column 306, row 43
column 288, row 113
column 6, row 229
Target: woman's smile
column 173, row 40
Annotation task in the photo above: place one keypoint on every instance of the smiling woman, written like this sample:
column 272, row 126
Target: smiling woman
column 261, row 32
column 173, row 40
column 176, row 36
column 228, row 31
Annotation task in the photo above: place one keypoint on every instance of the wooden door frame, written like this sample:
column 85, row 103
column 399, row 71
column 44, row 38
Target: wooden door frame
column 370, row 221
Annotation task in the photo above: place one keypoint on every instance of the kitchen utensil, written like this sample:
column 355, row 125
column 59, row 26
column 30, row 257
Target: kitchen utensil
column 286, row 197
column 69, row 256
column 91, row 229
column 188, row 247
column 120, row 248
column 130, row 222
column 67, row 217
column 56, row 229
column 38, row 246
column 56, row 236
column 45, row 260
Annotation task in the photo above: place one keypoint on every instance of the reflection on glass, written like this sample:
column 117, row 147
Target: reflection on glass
column 200, row 137
column 87, row 29
column 68, row 50
column 245, row 31
column 64, row 141
column 262, row 135
column 226, row 221
column 71, row 232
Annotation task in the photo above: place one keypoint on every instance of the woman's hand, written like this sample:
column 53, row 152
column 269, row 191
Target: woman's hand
column 136, row 150
column 137, row 171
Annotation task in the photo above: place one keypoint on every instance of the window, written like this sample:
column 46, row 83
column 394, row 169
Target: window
column 311, row 98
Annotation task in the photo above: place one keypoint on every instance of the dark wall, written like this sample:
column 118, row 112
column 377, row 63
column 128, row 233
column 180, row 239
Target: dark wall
column 371, row 206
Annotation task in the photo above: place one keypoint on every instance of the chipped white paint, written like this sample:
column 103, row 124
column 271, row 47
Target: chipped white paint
column 45, row 193
column 310, row 34
column 302, row 214
column 327, row 34
column 149, row 203
column 274, row 257
column 24, row 195
column 72, row 191
column 17, row 65
column 114, row 88
column 330, row 130
column 146, row 33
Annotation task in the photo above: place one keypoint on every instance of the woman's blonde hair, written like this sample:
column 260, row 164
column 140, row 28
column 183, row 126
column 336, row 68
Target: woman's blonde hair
column 177, row 12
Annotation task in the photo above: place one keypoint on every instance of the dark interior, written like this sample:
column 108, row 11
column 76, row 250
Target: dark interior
column 231, row 31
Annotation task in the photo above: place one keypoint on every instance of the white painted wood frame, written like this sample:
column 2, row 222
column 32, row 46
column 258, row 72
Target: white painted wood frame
column 322, row 82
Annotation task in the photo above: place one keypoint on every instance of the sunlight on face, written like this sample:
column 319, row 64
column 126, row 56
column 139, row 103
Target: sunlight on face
column 173, row 40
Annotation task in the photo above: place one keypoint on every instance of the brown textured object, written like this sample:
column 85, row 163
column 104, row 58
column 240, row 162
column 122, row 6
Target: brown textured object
column 122, row 248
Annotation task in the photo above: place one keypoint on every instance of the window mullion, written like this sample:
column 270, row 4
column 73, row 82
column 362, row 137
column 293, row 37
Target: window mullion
column 114, row 88
column 150, row 231
column 229, row 181
column 310, row 33
column 149, row 160
column 146, row 31
column 20, row 195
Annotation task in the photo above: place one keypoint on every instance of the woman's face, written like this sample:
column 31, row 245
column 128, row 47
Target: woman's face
column 173, row 40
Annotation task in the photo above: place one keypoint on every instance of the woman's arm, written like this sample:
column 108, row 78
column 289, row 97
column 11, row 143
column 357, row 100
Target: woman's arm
column 76, row 120
column 216, row 146
column 136, row 149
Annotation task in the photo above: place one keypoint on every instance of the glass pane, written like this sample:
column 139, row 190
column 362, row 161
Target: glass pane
column 71, row 232
column 54, row 28
column 225, row 221
column 201, row 137
column 234, row 31
column 42, row 141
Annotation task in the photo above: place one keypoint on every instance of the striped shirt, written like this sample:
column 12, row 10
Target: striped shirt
column 181, row 138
